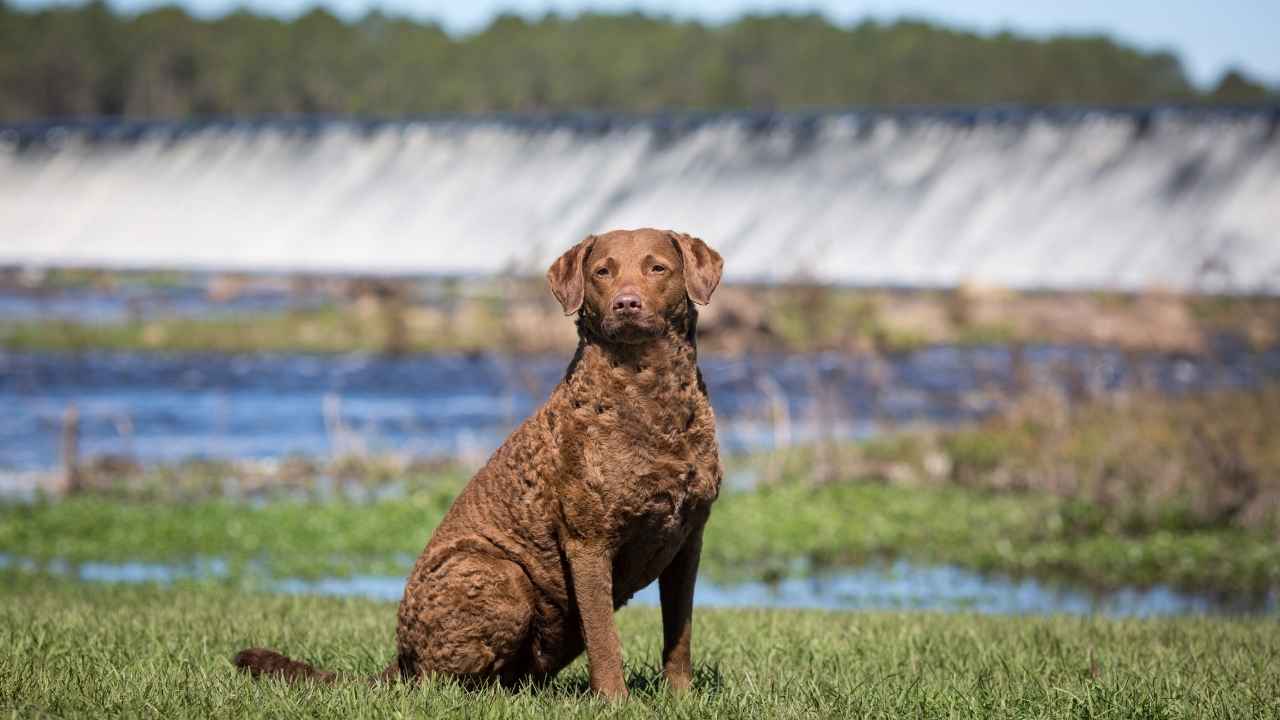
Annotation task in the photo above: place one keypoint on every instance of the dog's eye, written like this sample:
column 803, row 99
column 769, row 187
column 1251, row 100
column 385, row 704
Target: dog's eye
column 602, row 271
column 657, row 269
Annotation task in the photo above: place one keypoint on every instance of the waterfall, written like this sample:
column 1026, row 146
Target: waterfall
column 1085, row 199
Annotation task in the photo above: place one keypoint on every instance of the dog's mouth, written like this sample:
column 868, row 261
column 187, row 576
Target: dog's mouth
column 632, row 329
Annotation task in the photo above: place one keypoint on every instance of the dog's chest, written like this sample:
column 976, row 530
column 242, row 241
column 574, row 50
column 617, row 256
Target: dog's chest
column 654, row 483
column 660, row 496
column 654, row 512
column 643, row 453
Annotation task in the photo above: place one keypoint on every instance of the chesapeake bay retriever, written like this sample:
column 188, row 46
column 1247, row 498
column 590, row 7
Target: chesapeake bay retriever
column 604, row 489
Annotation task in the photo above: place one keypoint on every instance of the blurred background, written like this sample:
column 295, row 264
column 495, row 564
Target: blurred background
column 999, row 329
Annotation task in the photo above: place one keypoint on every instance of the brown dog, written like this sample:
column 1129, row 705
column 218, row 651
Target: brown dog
column 604, row 489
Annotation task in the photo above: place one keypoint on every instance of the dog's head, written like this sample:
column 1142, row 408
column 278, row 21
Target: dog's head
column 628, row 284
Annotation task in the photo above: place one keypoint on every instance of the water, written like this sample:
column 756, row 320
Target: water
column 163, row 408
column 886, row 586
column 1029, row 199
column 897, row 586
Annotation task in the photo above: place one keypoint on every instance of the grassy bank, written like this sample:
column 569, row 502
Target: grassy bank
column 1132, row 490
column 1127, row 464
column 71, row 650
column 330, row 329
column 773, row 531
column 516, row 314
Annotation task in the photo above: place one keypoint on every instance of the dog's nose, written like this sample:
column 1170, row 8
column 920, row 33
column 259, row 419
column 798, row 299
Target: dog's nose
column 627, row 302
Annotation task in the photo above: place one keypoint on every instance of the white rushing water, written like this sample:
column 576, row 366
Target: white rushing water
column 1192, row 201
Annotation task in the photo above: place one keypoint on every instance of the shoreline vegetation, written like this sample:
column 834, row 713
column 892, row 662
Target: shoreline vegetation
column 516, row 315
column 1132, row 491
column 768, row 534
column 71, row 649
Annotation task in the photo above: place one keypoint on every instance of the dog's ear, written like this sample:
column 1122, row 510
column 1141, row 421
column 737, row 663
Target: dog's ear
column 565, row 275
column 702, row 266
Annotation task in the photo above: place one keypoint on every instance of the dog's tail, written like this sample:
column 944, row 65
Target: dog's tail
column 260, row 662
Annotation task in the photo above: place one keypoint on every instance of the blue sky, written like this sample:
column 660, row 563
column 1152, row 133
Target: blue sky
column 1209, row 36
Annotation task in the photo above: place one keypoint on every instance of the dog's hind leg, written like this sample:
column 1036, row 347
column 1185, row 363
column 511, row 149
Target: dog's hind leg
column 469, row 617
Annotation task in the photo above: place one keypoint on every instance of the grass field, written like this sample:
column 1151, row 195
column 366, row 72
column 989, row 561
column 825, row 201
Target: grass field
column 74, row 650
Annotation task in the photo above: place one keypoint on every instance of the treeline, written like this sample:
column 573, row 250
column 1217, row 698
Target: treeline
column 90, row 61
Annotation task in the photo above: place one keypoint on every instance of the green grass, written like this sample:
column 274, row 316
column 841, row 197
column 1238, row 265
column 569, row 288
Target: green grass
column 761, row 533
column 69, row 650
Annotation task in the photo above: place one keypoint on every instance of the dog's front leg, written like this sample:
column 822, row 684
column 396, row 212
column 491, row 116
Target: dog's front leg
column 591, row 567
column 675, row 586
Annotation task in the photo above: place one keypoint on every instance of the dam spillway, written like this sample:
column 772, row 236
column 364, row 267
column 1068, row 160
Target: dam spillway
column 1129, row 200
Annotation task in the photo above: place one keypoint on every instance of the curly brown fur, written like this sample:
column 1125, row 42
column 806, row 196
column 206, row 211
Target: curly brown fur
column 259, row 662
column 603, row 490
